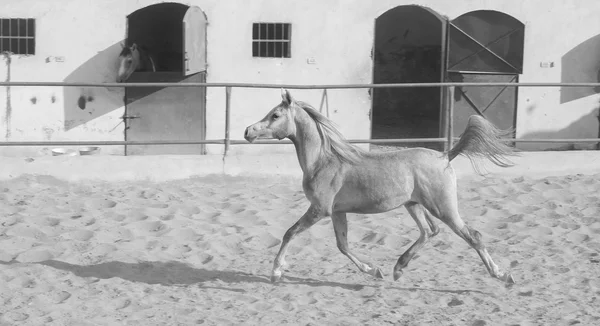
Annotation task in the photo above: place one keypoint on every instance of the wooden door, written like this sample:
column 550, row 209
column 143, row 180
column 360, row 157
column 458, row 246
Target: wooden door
column 485, row 46
column 194, row 41
column 170, row 113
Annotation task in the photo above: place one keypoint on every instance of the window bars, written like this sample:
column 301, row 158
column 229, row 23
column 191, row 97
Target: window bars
column 17, row 35
column 271, row 40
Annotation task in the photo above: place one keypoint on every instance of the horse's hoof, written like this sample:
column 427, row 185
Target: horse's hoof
column 276, row 277
column 377, row 273
column 397, row 275
column 373, row 271
column 508, row 278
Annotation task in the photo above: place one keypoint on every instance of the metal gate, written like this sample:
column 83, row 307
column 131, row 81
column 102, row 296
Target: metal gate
column 485, row 46
column 170, row 113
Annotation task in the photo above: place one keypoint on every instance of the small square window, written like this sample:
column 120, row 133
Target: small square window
column 17, row 35
column 271, row 40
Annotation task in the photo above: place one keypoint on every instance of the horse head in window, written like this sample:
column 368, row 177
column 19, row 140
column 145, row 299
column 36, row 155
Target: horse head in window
column 134, row 58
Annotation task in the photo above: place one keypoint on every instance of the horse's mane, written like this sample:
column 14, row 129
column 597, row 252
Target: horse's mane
column 333, row 142
column 127, row 50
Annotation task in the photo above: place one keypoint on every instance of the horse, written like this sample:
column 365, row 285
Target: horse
column 340, row 178
column 134, row 58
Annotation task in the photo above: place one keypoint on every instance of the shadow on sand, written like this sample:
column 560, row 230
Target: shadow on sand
column 358, row 287
column 170, row 273
column 174, row 273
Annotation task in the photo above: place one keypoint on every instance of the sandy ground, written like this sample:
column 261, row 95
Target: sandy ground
column 200, row 251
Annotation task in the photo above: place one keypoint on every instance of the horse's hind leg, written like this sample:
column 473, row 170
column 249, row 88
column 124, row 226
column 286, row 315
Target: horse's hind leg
column 340, row 227
column 435, row 229
column 473, row 238
column 421, row 217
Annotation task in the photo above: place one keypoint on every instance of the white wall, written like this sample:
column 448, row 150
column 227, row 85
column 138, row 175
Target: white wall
column 76, row 31
column 337, row 34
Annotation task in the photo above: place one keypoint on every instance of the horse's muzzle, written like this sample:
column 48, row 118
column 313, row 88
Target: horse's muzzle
column 247, row 135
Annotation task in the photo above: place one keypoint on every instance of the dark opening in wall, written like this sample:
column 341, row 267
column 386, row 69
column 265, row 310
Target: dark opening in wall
column 408, row 49
column 159, row 29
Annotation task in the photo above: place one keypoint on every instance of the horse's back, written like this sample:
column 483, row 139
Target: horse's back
column 409, row 158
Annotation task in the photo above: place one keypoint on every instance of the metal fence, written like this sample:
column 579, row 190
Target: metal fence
column 227, row 142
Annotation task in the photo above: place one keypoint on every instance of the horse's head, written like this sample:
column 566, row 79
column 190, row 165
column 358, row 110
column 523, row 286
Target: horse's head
column 278, row 123
column 129, row 60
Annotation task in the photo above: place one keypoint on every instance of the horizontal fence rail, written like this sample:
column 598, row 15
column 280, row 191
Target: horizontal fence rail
column 448, row 140
column 333, row 86
column 268, row 142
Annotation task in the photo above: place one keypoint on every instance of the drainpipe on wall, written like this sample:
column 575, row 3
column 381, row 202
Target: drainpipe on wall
column 7, row 118
column 598, row 117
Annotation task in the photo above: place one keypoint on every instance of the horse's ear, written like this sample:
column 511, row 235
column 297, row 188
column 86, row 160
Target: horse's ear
column 286, row 96
column 133, row 47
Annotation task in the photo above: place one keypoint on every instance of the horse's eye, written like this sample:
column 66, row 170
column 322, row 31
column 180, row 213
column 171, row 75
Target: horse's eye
column 275, row 116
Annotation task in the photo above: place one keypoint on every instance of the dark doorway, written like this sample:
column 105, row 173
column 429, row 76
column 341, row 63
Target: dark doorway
column 158, row 28
column 409, row 43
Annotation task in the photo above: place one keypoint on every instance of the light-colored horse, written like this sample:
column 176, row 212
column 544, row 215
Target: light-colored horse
column 134, row 58
column 341, row 178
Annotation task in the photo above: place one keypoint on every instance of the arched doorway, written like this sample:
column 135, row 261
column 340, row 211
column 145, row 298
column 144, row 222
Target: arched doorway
column 408, row 48
column 176, row 36
column 174, row 33
column 485, row 46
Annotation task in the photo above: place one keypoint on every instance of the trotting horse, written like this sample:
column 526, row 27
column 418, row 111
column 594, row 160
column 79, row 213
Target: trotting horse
column 341, row 178
column 134, row 58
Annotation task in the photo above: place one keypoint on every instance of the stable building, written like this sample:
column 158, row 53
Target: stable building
column 295, row 42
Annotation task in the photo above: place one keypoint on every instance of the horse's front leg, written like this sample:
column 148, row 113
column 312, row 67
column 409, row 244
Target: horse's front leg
column 340, row 227
column 312, row 216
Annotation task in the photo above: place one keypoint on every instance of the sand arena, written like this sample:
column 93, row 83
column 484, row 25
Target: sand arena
column 175, row 241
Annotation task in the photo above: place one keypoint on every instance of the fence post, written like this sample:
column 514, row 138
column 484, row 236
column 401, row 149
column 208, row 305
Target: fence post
column 450, row 117
column 227, row 118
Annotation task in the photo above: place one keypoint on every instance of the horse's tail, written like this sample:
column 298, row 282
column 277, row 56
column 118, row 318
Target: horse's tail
column 481, row 139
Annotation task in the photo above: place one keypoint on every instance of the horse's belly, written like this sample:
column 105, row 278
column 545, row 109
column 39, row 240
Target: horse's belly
column 366, row 208
column 365, row 203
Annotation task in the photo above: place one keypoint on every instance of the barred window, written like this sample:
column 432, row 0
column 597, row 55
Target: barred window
column 17, row 35
column 271, row 40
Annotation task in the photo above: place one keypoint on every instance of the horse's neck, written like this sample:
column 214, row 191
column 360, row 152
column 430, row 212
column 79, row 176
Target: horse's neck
column 307, row 141
column 146, row 61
